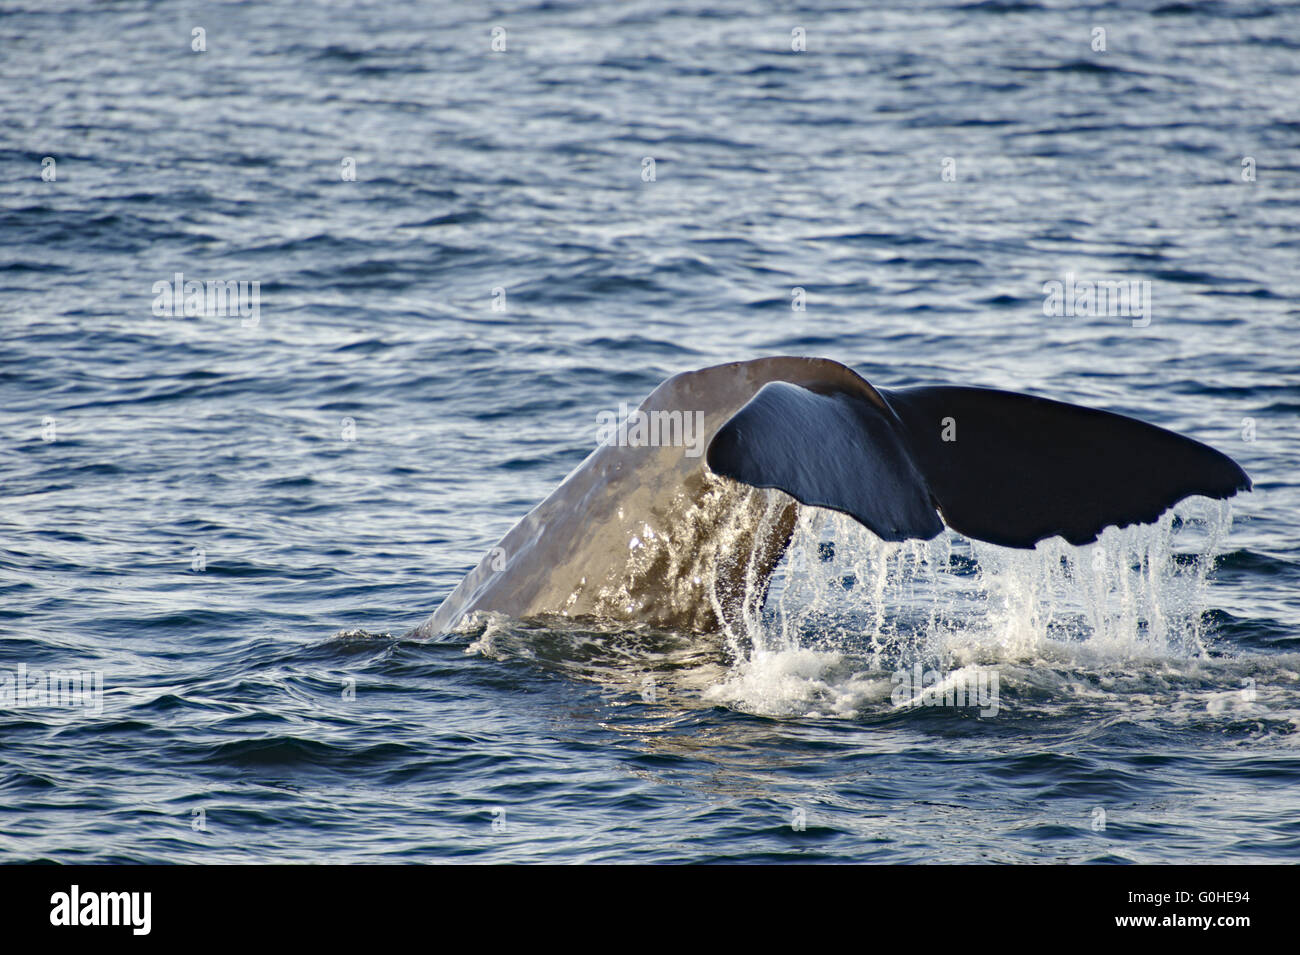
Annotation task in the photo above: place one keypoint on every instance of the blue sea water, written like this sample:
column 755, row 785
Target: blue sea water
column 234, row 522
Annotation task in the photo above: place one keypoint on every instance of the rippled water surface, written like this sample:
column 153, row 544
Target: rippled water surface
column 234, row 522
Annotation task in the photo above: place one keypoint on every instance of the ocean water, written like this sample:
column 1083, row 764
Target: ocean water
column 229, row 521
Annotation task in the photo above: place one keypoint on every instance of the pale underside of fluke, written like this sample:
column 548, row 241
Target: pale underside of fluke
column 652, row 534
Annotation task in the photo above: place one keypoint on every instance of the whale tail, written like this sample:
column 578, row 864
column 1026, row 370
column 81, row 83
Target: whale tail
column 646, row 531
column 1001, row 467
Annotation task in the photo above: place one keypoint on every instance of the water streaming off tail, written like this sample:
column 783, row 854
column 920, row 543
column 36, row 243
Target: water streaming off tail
column 847, row 610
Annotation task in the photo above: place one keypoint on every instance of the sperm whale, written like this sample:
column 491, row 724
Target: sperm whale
column 649, row 530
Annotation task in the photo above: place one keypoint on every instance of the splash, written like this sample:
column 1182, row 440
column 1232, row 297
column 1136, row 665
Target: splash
column 848, row 611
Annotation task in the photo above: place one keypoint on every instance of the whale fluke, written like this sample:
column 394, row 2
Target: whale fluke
column 1001, row 467
column 653, row 532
